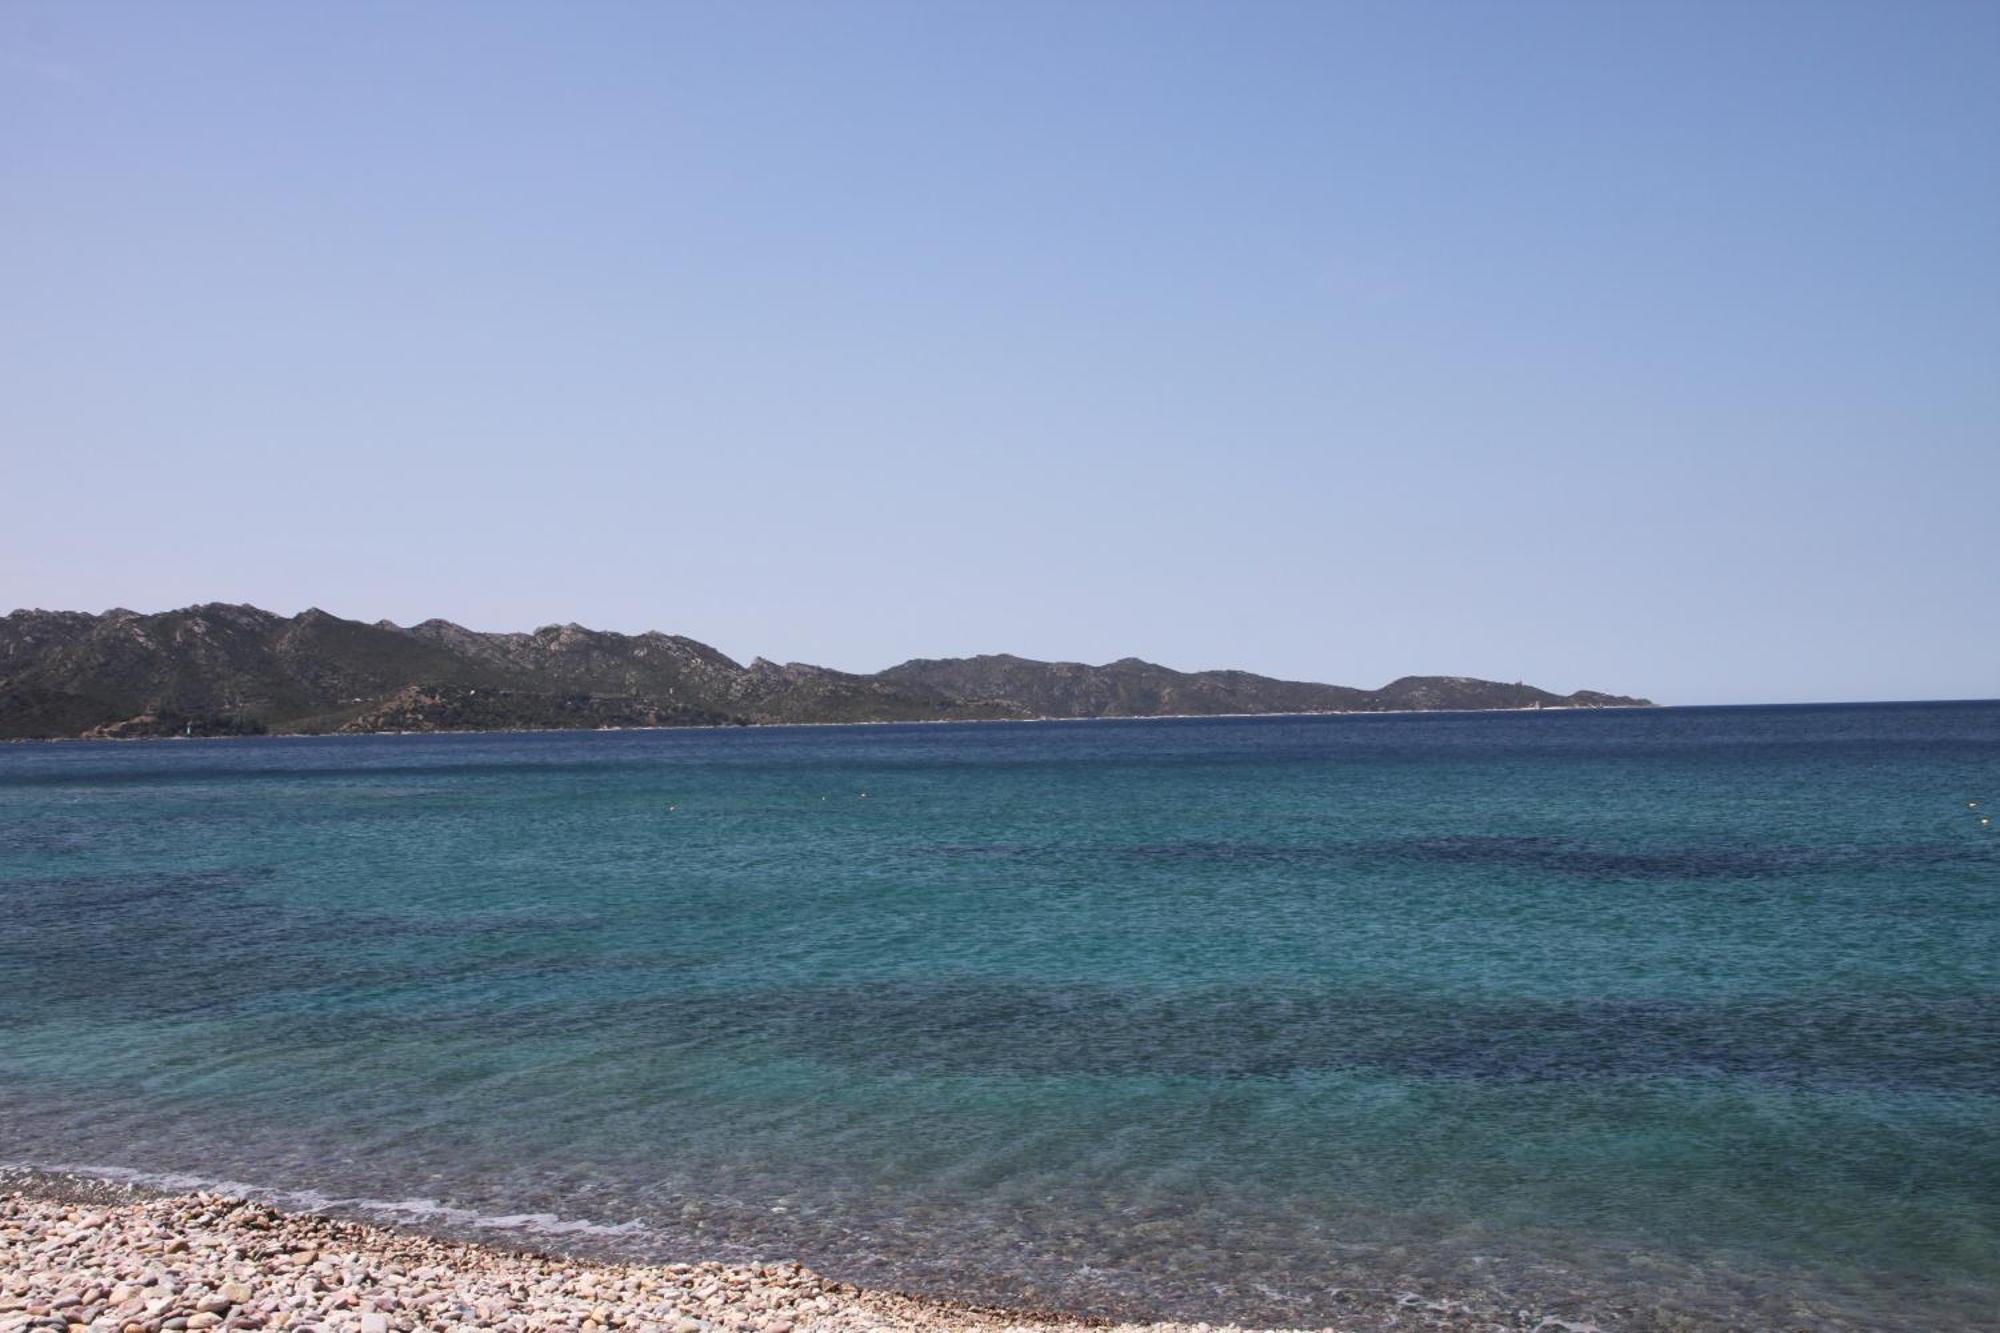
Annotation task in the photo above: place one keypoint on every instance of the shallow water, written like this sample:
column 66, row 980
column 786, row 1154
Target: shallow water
column 1683, row 1014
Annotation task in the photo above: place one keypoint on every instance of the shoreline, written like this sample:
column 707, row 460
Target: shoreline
column 83, row 1252
column 182, row 1236
column 874, row 722
column 1560, row 709
column 207, row 1222
column 70, row 1230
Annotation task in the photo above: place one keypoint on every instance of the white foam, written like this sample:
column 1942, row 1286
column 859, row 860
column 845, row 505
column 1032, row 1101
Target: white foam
column 314, row 1201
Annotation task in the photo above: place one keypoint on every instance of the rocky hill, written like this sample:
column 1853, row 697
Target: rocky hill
column 218, row 670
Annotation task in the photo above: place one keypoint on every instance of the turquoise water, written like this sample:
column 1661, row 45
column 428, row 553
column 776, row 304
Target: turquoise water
column 1688, row 1014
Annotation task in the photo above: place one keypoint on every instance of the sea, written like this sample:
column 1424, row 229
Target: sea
column 1679, row 1018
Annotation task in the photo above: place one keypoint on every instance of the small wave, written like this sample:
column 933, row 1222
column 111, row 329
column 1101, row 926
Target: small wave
column 408, row 1211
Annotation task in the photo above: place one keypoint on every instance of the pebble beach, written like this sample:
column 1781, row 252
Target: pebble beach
column 209, row 1261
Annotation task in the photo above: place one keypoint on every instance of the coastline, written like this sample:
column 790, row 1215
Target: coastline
column 84, row 1253
column 866, row 722
column 86, row 1250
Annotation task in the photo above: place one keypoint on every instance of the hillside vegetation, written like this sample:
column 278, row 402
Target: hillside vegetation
column 218, row 669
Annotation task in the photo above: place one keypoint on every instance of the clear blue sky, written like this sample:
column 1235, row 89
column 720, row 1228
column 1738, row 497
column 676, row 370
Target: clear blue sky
column 1651, row 348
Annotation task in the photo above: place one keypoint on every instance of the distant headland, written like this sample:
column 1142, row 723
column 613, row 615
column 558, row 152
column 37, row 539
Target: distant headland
column 219, row 669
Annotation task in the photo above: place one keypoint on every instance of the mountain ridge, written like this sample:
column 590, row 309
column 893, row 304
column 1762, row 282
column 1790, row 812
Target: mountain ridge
column 223, row 669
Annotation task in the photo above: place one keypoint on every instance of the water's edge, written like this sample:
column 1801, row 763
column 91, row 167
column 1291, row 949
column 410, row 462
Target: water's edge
column 1363, row 1300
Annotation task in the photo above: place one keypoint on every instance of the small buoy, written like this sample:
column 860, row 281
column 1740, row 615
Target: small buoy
column 864, row 795
column 672, row 807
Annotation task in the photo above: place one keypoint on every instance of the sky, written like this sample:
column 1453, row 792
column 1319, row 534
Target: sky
column 1651, row 348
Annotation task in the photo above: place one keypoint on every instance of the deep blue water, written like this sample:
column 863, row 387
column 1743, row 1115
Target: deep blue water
column 1688, row 1013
